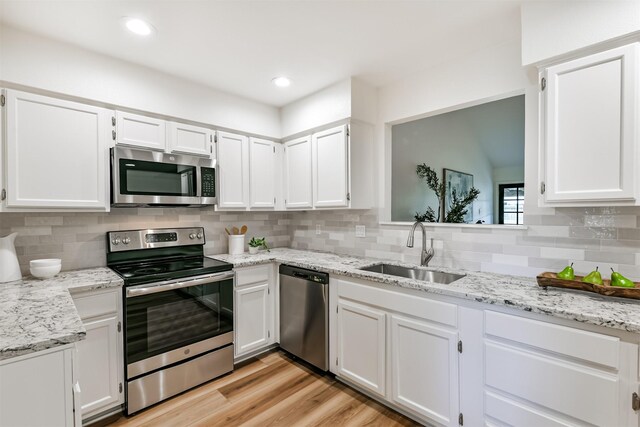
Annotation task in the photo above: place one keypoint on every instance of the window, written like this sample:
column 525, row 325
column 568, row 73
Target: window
column 511, row 203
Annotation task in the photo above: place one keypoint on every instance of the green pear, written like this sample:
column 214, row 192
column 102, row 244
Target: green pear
column 594, row 278
column 567, row 273
column 618, row 279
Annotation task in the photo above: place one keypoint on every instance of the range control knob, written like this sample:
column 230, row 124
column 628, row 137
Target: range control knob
column 126, row 240
column 192, row 236
column 199, row 235
column 116, row 241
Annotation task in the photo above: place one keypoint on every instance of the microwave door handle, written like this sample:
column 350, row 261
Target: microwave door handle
column 137, row 291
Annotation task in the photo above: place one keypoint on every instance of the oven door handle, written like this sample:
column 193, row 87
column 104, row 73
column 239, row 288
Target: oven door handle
column 136, row 291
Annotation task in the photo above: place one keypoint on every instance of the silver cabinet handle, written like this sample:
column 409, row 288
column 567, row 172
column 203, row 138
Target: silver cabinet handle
column 136, row 291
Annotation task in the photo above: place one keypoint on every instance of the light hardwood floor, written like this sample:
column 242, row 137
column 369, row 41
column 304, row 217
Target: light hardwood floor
column 270, row 391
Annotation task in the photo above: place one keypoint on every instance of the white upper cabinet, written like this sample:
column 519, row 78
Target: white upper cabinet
column 141, row 131
column 590, row 128
column 233, row 167
column 189, row 139
column 330, row 154
column 56, row 153
column 298, row 192
column 262, row 171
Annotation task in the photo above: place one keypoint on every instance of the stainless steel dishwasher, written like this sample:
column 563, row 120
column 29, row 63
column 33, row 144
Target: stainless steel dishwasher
column 304, row 314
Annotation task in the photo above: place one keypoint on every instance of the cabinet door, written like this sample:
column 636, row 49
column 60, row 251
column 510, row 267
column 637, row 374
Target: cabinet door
column 330, row 168
column 253, row 318
column 262, row 171
column 190, row 139
column 424, row 363
column 233, row 167
column 298, row 173
column 141, row 131
column 98, row 366
column 591, row 119
column 361, row 345
column 37, row 390
column 57, row 153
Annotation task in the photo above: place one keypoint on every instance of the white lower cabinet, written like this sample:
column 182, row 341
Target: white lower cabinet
column 450, row 364
column 399, row 347
column 38, row 389
column 254, row 309
column 100, row 359
column 424, row 369
column 539, row 373
column 361, row 345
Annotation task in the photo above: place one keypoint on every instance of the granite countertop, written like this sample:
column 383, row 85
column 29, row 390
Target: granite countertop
column 517, row 292
column 39, row 314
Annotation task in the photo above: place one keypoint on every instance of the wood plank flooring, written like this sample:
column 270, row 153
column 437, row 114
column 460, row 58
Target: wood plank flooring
column 269, row 391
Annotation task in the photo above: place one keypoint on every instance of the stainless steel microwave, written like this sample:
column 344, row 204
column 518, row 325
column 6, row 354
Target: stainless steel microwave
column 151, row 178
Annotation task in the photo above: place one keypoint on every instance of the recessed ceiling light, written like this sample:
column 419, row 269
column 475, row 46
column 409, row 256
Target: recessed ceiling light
column 138, row 26
column 281, row 81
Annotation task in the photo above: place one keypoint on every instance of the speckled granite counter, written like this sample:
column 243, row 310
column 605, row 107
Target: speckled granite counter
column 516, row 292
column 39, row 314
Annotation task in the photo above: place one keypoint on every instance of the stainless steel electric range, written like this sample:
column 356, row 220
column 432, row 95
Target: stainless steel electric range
column 178, row 312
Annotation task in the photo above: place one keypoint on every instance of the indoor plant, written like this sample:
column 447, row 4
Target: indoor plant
column 255, row 244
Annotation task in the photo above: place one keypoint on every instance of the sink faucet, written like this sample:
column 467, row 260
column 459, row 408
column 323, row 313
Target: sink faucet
column 425, row 255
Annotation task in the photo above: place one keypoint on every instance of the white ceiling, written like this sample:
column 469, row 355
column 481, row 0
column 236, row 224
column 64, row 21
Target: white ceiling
column 239, row 46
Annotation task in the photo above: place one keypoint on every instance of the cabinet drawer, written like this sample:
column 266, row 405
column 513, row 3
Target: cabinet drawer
column 96, row 304
column 516, row 413
column 424, row 308
column 558, row 339
column 249, row 275
column 584, row 393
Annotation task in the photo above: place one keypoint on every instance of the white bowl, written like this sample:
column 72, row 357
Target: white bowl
column 46, row 272
column 49, row 262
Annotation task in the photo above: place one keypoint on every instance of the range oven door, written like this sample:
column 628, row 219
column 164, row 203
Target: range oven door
column 144, row 177
column 172, row 321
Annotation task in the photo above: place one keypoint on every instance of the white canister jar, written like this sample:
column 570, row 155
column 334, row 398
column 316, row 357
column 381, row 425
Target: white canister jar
column 236, row 244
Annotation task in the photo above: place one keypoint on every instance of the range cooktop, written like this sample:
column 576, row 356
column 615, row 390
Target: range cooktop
column 160, row 270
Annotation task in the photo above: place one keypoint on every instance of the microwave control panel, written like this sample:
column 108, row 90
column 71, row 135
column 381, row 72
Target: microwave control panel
column 208, row 182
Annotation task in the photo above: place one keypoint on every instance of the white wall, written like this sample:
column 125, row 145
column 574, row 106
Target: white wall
column 488, row 74
column 30, row 60
column 328, row 105
column 552, row 28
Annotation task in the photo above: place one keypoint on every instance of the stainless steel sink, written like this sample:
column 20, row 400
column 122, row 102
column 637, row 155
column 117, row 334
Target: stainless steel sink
column 415, row 273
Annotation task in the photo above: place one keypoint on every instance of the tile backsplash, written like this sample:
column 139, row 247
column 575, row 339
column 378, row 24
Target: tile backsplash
column 79, row 238
column 589, row 237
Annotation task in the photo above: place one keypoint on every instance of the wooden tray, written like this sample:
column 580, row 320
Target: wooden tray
column 551, row 279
